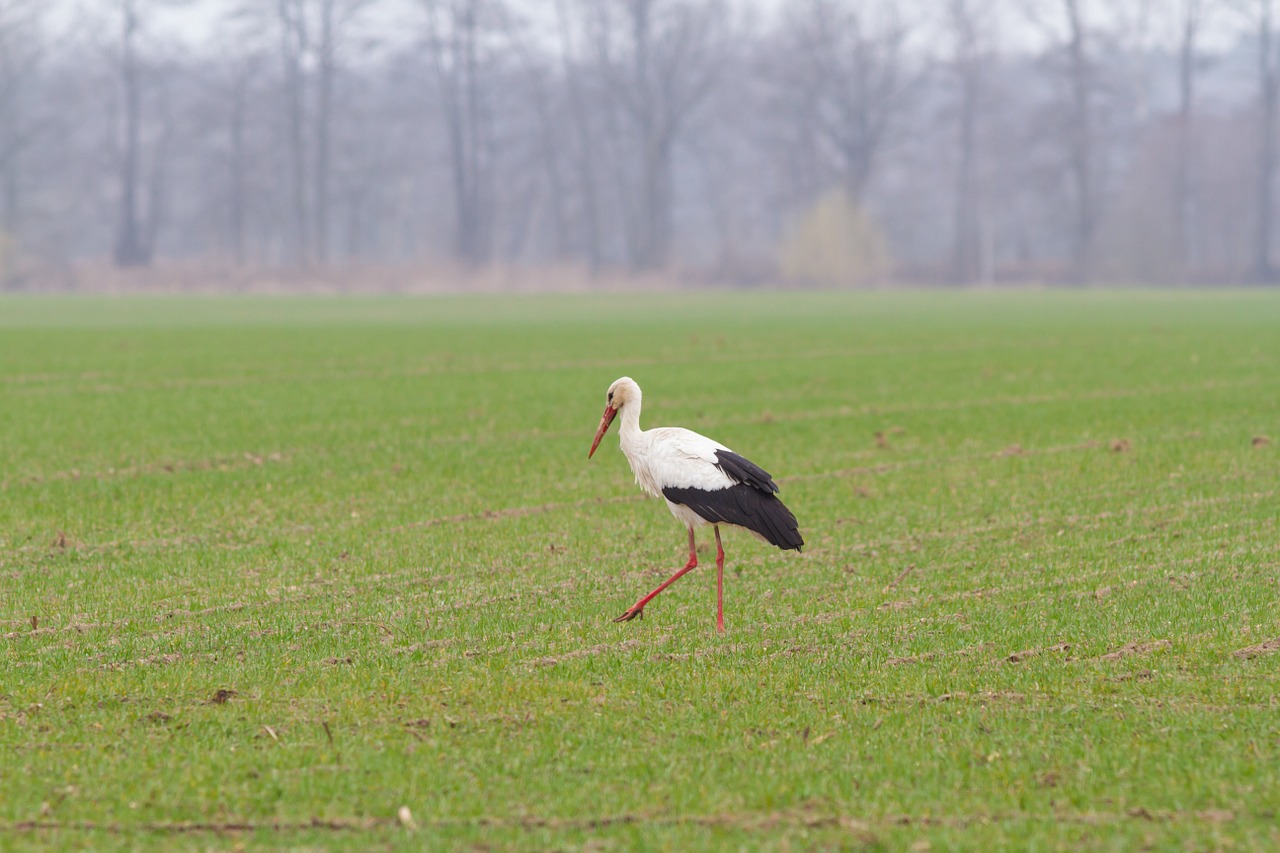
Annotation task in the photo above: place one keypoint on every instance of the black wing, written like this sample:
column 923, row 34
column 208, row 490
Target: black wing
column 743, row 470
column 745, row 506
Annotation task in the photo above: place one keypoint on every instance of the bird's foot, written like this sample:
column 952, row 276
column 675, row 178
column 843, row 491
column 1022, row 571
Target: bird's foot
column 631, row 614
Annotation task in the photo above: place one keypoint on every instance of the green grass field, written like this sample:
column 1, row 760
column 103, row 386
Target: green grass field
column 273, row 572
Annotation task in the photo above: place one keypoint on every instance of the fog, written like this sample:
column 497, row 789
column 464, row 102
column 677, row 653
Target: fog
column 842, row 143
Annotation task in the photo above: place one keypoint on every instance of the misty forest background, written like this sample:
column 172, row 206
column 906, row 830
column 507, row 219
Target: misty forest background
column 827, row 142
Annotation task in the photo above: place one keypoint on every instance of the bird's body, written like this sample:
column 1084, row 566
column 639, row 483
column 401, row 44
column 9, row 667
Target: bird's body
column 702, row 482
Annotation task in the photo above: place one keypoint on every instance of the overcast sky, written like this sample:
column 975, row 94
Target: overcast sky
column 194, row 22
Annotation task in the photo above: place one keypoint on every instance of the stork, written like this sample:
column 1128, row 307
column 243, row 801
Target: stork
column 702, row 481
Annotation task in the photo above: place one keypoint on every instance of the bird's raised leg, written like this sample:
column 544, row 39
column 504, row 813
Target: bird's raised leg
column 637, row 609
column 719, row 583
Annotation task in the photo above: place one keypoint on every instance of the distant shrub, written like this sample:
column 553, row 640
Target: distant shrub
column 12, row 262
column 835, row 244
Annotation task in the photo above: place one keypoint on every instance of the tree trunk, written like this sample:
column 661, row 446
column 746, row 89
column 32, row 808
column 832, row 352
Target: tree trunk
column 457, row 61
column 157, row 187
column 324, row 112
column 1081, row 147
column 966, row 249
column 464, row 229
column 293, row 42
column 130, row 249
column 585, row 146
column 652, row 221
column 11, row 161
column 474, row 244
column 963, row 255
column 12, row 191
column 1188, row 233
column 548, row 152
column 1262, row 268
column 236, row 217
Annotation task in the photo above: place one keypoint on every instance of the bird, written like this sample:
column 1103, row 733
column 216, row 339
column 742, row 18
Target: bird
column 702, row 481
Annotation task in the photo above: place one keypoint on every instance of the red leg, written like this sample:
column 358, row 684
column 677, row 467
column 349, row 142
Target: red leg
column 719, row 583
column 637, row 609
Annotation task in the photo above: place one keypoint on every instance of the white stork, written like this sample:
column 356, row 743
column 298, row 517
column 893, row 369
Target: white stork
column 702, row 481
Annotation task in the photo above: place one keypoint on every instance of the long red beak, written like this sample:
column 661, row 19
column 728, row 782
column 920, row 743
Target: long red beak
column 605, row 420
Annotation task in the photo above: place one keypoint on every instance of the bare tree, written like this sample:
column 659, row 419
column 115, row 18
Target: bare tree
column 21, row 51
column 970, row 25
column 1082, row 157
column 142, row 192
column 315, row 37
column 1070, row 58
column 851, row 80
column 1190, row 21
column 537, row 79
column 130, row 249
column 240, row 83
column 463, row 38
column 327, row 66
column 236, row 80
column 295, row 44
column 1260, row 15
column 649, row 133
column 659, row 60
column 584, row 156
column 338, row 26
column 1181, row 24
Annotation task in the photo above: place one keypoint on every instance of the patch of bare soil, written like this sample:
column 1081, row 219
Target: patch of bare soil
column 1140, row 675
column 35, row 632
column 901, row 577
column 246, row 459
column 171, row 658
column 423, row 646
column 806, row 817
column 1136, row 649
column 1257, row 651
column 920, row 658
column 729, row 649
column 984, row 696
column 1019, row 657
column 78, row 627
column 514, row 512
column 590, row 651
column 208, row 611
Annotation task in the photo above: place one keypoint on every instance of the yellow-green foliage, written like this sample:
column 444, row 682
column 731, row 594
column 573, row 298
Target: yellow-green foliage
column 835, row 244
column 9, row 258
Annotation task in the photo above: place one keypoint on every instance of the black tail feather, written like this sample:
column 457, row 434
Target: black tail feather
column 744, row 506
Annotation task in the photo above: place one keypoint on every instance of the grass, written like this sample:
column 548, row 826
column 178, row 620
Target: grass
column 273, row 570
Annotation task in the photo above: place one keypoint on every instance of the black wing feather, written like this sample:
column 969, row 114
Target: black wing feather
column 743, row 470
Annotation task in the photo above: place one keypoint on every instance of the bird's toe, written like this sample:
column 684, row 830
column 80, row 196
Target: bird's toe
column 630, row 614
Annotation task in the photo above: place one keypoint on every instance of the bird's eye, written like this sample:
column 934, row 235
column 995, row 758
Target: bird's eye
column 610, row 396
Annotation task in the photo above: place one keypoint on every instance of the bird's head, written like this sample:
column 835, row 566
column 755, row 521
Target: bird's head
column 620, row 393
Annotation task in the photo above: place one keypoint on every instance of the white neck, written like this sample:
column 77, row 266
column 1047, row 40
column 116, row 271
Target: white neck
column 630, row 418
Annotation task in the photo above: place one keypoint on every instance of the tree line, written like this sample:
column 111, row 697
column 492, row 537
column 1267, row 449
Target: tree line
column 815, row 141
